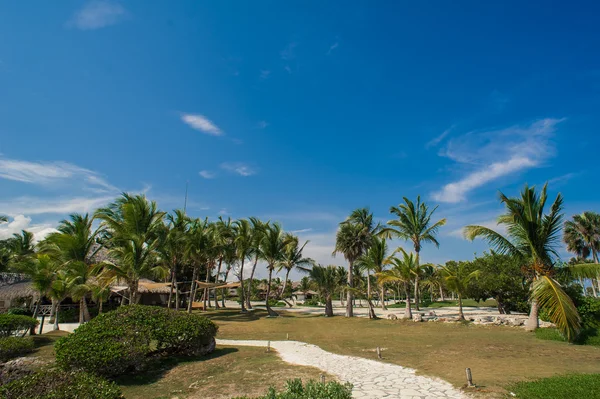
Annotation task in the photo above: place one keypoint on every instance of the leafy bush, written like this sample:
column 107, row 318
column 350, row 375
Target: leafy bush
column 426, row 300
column 313, row 390
column 57, row 384
column 123, row 340
column 11, row 347
column 20, row 311
column 11, row 324
column 311, row 302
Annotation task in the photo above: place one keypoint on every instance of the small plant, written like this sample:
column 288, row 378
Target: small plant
column 312, row 390
column 11, row 347
column 11, row 324
column 56, row 384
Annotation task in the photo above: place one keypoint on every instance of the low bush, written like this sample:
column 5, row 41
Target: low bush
column 123, row 340
column 11, row 324
column 312, row 302
column 56, row 384
column 11, row 347
column 312, row 390
column 20, row 311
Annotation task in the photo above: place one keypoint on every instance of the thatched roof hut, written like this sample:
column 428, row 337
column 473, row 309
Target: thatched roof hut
column 145, row 286
column 10, row 292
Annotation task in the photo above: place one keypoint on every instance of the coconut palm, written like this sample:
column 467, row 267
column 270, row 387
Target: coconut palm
column 293, row 259
column 100, row 291
column 326, row 280
column 272, row 249
column 582, row 236
column 457, row 278
column 258, row 231
column 132, row 226
column 73, row 246
column 223, row 241
column 403, row 271
column 373, row 261
column 198, row 252
column 173, row 240
column 243, row 242
column 532, row 237
column 414, row 224
column 21, row 247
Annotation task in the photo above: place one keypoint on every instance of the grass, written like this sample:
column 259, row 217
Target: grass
column 449, row 303
column 559, row 387
column 498, row 356
column 590, row 336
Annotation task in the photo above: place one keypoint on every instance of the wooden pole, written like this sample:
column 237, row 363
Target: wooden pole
column 268, row 346
column 322, row 378
column 379, row 352
column 42, row 324
column 287, row 336
column 469, row 378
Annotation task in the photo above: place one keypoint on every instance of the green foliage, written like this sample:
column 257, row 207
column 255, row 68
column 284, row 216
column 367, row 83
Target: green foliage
column 312, row 390
column 12, row 347
column 426, row 300
column 55, row 384
column 569, row 386
column 20, row 311
column 11, row 324
column 123, row 340
column 312, row 302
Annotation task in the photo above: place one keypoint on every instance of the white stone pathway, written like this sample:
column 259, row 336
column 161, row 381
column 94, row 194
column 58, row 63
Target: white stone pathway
column 371, row 379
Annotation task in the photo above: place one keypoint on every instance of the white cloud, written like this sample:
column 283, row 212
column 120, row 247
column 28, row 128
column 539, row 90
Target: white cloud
column 493, row 154
column 239, row 168
column 223, row 212
column 288, row 52
column 64, row 205
column 301, row 231
column 207, row 174
column 436, row 140
column 263, row 124
column 333, row 47
column 47, row 173
column 22, row 222
column 98, row 14
column 264, row 73
column 202, row 124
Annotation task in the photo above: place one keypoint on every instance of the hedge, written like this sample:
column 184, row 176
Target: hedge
column 11, row 324
column 313, row 390
column 11, row 347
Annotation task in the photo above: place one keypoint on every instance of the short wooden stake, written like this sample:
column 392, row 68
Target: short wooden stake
column 469, row 378
column 287, row 336
column 379, row 352
column 322, row 378
column 268, row 346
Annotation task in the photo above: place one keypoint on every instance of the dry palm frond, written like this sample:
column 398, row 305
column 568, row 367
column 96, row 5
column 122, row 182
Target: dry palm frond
column 561, row 309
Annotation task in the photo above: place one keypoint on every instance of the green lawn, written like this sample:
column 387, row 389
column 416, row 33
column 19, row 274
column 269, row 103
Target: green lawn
column 590, row 336
column 450, row 303
column 559, row 387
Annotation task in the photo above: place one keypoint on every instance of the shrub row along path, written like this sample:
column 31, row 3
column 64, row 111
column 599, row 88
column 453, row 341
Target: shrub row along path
column 371, row 379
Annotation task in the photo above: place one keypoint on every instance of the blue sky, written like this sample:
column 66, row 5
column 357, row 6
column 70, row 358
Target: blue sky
column 297, row 111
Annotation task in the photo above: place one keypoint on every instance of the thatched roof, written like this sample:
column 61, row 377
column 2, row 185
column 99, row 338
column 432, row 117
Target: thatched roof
column 22, row 289
column 145, row 286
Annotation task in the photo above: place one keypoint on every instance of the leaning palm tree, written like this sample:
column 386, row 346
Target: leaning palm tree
column 457, row 278
column 414, row 224
column 132, row 226
column 272, row 249
column 74, row 246
column 293, row 259
column 326, row 281
column 582, row 236
column 403, row 271
column 243, row 242
column 374, row 262
column 532, row 237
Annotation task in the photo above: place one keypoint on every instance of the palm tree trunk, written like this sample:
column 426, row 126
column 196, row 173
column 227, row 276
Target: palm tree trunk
column 368, row 284
column 192, row 293
column 81, row 316
column 328, row 306
column 243, row 298
column 35, row 313
column 56, row 315
column 417, row 297
column 533, row 322
column 248, row 304
column 271, row 312
column 461, row 315
column 441, row 293
column 217, row 280
column 52, row 312
column 206, row 290
column 383, row 307
column 349, row 308
column 224, row 290
column 173, row 279
column 407, row 311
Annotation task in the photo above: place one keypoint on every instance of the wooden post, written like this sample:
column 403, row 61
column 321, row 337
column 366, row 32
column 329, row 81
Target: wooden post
column 287, row 336
column 469, row 378
column 379, row 352
column 268, row 346
column 322, row 378
column 42, row 324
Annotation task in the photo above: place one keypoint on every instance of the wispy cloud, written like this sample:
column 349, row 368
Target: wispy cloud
column 47, row 173
column 288, row 69
column 98, row 14
column 300, row 231
column 62, row 205
column 436, row 140
column 563, row 179
column 490, row 155
column 490, row 224
column 238, row 168
column 262, row 124
column 202, row 124
column 289, row 51
column 265, row 73
column 207, row 174
column 333, row 47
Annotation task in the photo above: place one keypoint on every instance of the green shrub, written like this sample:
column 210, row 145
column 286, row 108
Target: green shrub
column 55, row 384
column 11, row 347
column 20, row 311
column 312, row 302
column 123, row 340
column 11, row 324
column 312, row 390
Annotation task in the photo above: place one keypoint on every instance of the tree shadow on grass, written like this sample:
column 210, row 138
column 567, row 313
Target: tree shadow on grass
column 160, row 366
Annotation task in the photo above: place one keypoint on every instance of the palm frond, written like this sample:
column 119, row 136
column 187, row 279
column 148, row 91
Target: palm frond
column 560, row 307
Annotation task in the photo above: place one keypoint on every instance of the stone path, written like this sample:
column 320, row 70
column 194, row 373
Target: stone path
column 371, row 379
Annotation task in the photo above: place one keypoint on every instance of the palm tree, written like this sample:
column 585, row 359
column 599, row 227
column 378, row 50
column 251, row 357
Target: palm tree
column 326, row 280
column 73, row 247
column 293, row 259
column 21, row 247
column 223, row 241
column 457, row 278
column 172, row 249
column 258, row 231
column 374, row 262
column 414, row 224
column 100, row 291
column 532, row 236
column 582, row 236
column 243, row 243
column 197, row 252
column 403, row 271
column 132, row 226
column 272, row 249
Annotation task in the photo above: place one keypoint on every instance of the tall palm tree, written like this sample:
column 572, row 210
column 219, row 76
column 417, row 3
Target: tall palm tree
column 373, row 261
column 21, row 247
column 258, row 231
column 132, row 226
column 532, row 236
column 198, row 252
column 293, row 259
column 414, row 224
column 74, row 246
column 457, row 279
column 272, row 249
column 582, row 236
column 223, row 241
column 326, row 281
column 173, row 240
column 243, row 243
column 403, row 271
